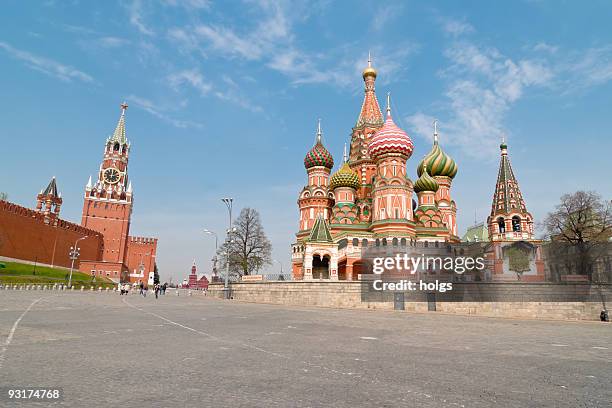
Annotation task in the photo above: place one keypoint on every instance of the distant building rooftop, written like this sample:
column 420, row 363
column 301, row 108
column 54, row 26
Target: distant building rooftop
column 476, row 233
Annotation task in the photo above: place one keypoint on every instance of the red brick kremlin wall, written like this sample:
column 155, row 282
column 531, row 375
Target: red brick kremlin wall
column 25, row 235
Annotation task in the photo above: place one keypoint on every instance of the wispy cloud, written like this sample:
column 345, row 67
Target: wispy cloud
column 135, row 12
column 482, row 86
column 191, row 77
column 159, row 112
column 46, row 65
column 385, row 15
column 230, row 92
column 189, row 4
column 233, row 94
column 592, row 67
column 111, row 42
column 270, row 40
column 226, row 41
column 455, row 27
column 542, row 46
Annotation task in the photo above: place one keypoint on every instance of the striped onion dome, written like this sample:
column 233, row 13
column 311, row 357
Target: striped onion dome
column 319, row 155
column 390, row 139
column 426, row 182
column 345, row 177
column 438, row 163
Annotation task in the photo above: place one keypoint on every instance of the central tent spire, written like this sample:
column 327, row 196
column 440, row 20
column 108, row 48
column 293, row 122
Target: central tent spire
column 119, row 133
column 370, row 114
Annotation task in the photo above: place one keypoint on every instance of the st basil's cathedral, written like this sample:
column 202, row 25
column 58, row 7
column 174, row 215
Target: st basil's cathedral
column 370, row 201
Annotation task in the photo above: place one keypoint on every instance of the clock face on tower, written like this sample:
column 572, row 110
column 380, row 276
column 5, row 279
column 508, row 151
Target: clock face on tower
column 111, row 175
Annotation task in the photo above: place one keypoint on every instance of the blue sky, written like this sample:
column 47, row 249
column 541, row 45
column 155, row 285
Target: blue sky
column 224, row 98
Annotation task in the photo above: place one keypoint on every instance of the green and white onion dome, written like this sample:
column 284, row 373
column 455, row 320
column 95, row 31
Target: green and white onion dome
column 426, row 182
column 438, row 163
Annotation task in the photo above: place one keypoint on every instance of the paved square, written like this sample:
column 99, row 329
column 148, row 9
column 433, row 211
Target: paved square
column 110, row 350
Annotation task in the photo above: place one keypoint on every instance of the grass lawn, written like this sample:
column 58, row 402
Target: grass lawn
column 18, row 273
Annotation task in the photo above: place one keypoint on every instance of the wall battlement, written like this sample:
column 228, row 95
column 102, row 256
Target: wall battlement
column 143, row 240
column 16, row 209
column 28, row 235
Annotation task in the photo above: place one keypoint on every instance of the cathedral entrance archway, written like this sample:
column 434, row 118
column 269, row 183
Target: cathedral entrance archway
column 320, row 267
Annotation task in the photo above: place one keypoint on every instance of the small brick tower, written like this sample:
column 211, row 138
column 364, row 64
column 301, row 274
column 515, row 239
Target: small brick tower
column 509, row 219
column 49, row 202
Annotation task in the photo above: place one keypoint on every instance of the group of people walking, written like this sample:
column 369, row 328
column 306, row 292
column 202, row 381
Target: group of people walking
column 158, row 288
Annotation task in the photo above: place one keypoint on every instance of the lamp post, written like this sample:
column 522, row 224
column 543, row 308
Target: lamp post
column 229, row 203
column 74, row 255
column 207, row 231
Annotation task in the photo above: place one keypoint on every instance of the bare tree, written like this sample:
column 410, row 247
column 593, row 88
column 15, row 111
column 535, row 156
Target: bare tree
column 581, row 225
column 249, row 248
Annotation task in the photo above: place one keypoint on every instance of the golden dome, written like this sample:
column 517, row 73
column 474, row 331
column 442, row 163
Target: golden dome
column 369, row 71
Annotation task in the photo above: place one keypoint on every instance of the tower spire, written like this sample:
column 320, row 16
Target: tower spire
column 344, row 156
column 319, row 131
column 508, row 210
column 503, row 146
column 435, row 134
column 388, row 104
column 119, row 133
column 370, row 114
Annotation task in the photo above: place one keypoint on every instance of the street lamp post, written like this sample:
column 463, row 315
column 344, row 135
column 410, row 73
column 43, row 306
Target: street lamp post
column 207, row 231
column 229, row 203
column 74, row 255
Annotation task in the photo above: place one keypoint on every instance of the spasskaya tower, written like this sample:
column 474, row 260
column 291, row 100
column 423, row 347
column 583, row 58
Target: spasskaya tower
column 107, row 208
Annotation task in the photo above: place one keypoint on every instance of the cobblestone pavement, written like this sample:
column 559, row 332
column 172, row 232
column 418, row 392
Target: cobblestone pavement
column 104, row 350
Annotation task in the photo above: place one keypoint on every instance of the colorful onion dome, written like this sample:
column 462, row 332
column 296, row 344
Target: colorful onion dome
column 345, row 177
column 426, row 182
column 438, row 162
column 319, row 155
column 390, row 138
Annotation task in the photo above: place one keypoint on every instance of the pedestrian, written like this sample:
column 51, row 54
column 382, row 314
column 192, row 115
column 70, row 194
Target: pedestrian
column 156, row 290
column 142, row 289
column 164, row 288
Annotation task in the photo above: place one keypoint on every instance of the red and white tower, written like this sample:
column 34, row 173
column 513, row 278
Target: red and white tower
column 509, row 219
column 315, row 199
column 390, row 148
column 108, row 202
column 369, row 121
